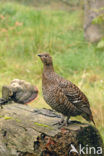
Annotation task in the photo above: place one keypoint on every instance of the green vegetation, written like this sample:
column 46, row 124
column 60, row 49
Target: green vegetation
column 42, row 125
column 26, row 31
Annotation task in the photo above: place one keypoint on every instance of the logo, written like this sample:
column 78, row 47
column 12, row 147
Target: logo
column 86, row 150
column 73, row 149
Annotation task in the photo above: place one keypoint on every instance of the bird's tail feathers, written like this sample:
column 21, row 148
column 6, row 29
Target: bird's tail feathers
column 88, row 118
column 91, row 118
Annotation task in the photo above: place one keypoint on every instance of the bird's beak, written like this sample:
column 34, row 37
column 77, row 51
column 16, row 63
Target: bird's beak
column 39, row 55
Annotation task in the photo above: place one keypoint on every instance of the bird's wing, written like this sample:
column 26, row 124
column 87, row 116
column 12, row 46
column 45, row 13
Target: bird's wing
column 62, row 100
column 75, row 96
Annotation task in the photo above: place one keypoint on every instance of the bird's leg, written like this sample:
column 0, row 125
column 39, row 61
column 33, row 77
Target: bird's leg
column 67, row 120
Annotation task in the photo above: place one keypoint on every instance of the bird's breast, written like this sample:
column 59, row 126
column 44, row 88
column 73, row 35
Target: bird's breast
column 48, row 95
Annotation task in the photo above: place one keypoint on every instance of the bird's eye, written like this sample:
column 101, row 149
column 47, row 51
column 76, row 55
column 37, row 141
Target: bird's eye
column 46, row 56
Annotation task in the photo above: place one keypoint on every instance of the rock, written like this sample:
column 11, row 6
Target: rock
column 19, row 91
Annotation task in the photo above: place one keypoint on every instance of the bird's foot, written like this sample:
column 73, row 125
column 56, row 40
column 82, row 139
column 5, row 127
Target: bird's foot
column 61, row 124
column 58, row 123
column 65, row 123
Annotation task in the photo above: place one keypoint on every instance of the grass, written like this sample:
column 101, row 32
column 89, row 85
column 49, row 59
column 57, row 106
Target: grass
column 26, row 31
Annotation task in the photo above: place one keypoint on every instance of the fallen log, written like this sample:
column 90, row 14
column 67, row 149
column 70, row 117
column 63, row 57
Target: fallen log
column 25, row 131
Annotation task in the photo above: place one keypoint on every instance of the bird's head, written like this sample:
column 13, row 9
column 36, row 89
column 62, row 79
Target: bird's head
column 46, row 59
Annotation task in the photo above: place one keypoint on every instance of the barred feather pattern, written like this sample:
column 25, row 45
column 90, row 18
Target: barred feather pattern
column 64, row 96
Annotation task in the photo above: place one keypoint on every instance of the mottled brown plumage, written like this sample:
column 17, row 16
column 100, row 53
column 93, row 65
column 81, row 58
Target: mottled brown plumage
column 62, row 95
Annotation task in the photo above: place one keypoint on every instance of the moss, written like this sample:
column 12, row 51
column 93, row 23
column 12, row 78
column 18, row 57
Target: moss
column 7, row 118
column 42, row 125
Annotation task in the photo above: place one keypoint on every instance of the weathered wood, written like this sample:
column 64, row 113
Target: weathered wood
column 25, row 131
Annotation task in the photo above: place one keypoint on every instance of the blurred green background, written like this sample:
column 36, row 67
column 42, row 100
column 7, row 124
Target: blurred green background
column 28, row 28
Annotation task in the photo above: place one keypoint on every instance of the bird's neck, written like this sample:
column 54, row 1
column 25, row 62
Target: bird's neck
column 48, row 68
column 47, row 76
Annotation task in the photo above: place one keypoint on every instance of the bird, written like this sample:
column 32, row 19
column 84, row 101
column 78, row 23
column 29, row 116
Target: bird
column 62, row 95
